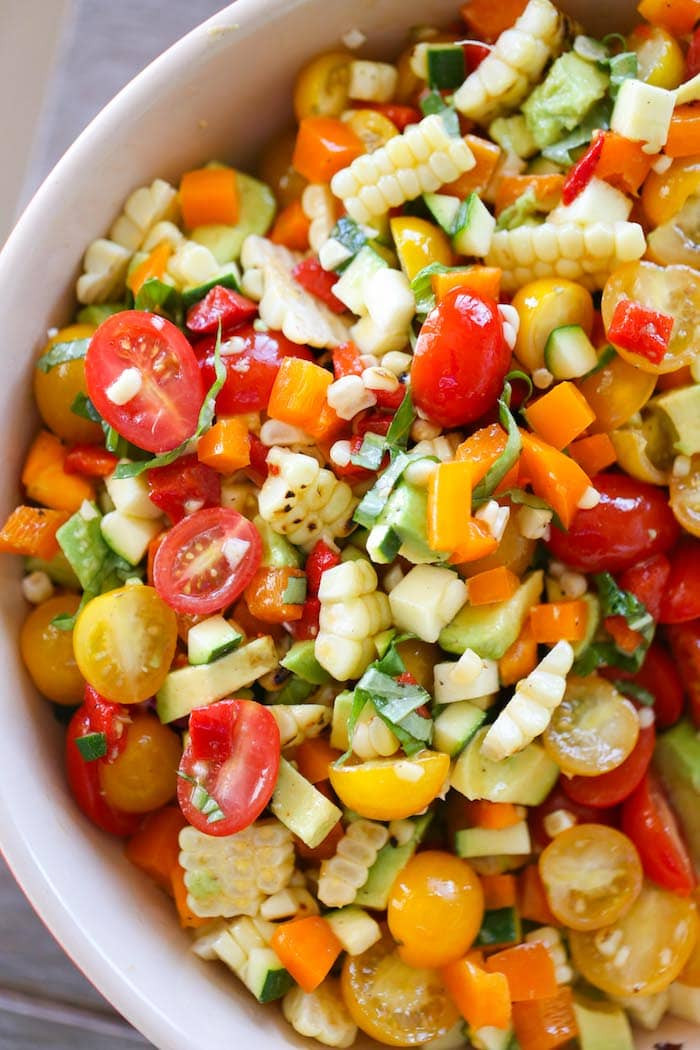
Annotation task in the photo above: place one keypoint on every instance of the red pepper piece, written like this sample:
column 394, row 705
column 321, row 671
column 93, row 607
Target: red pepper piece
column 90, row 460
column 181, row 485
column 582, row 172
column 640, row 330
column 321, row 558
column 346, row 361
column 220, row 306
column 306, row 628
column 310, row 275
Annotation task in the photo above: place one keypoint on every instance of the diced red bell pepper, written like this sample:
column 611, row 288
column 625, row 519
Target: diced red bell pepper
column 346, row 361
column 475, row 51
column 306, row 627
column 310, row 275
column 257, row 470
column 400, row 116
column 582, row 172
column 372, row 422
column 692, row 57
column 220, row 306
column 90, row 460
column 321, row 558
column 642, row 331
column 390, row 399
column 184, row 486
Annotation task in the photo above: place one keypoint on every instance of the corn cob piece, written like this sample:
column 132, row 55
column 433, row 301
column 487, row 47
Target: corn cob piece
column 355, row 929
column 145, row 207
column 294, row 902
column 372, row 737
column 342, row 875
column 353, row 611
column 104, row 265
column 504, row 78
column 318, row 205
column 192, row 264
column 231, row 875
column 320, row 1014
column 528, row 712
column 303, row 500
column 551, row 939
column 296, row 722
column 372, row 81
column 283, row 303
column 419, row 161
column 244, row 945
column 587, row 254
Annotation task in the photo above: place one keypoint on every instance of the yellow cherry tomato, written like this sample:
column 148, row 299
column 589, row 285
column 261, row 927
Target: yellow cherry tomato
column 321, row 89
column 419, row 659
column 47, row 651
column 544, row 305
column 672, row 290
column 419, row 243
column 660, row 60
column 592, row 875
column 124, row 643
column 143, row 776
column 435, row 909
column 631, row 449
column 616, row 392
column 665, row 193
column 685, row 497
column 593, row 729
column 691, row 971
column 394, row 1003
column 373, row 129
column 643, row 951
column 391, row 788
column 56, row 390
column 275, row 168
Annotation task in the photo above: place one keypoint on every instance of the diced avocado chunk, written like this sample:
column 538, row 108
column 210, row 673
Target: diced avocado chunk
column 602, row 1026
column 256, row 211
column 681, row 409
column 96, row 313
column 493, row 842
column 190, row 687
column 525, row 778
column 389, row 862
column 294, row 691
column 677, row 761
column 58, row 570
column 301, row 807
column 81, row 540
column 490, row 630
column 513, row 135
column 301, row 660
column 564, row 97
column 455, row 726
column 277, row 552
column 405, row 514
column 342, row 706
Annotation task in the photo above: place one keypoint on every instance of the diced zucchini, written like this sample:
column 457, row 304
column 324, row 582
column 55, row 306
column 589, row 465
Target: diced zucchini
column 390, row 861
column 490, row 842
column 131, row 496
column 473, row 228
column 229, row 277
column 211, row 639
column 444, row 209
column 445, row 66
column 602, row 1026
column 266, row 977
column 525, row 778
column 383, row 544
column 569, row 353
column 499, row 927
column 455, row 726
column 127, row 536
column 301, row 808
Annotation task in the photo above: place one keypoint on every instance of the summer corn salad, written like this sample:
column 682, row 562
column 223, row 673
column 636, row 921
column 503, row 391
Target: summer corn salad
column 362, row 535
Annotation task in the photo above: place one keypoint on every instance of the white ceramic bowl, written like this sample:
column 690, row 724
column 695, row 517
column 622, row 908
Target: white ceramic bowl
column 219, row 92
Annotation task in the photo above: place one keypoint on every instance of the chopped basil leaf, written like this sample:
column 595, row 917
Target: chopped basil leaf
column 522, row 377
column 203, row 801
column 72, row 350
column 636, row 691
column 82, row 406
column 371, row 452
column 432, row 102
column 611, row 39
column 507, row 459
column 295, row 591
column 524, row 207
column 597, row 117
column 158, row 297
column 604, row 652
column 374, row 501
column 397, row 699
column 399, row 429
column 390, row 662
column 622, row 67
column 422, row 286
column 350, row 234
column 91, row 746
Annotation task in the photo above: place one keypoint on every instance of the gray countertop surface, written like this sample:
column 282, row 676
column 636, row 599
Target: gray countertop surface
column 65, row 59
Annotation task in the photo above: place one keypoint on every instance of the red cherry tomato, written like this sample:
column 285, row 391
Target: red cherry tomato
column 84, row 781
column 609, row 789
column 200, row 567
column 684, row 640
column 647, row 581
column 258, row 470
column 251, row 370
column 460, row 360
column 322, row 557
column 183, row 487
column 164, row 411
column 234, row 754
column 108, row 718
column 558, row 798
column 659, row 674
column 649, row 821
column 681, row 600
column 692, row 57
column 221, row 306
column 631, row 522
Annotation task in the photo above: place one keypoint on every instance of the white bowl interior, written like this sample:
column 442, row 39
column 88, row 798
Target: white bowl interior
column 220, row 92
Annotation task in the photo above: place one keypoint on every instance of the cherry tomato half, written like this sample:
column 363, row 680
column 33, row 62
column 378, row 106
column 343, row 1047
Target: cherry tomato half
column 183, row 487
column 206, row 560
column 559, row 798
column 684, row 639
column 460, row 360
column 632, row 521
column 609, row 789
column 84, row 781
column 234, row 754
column 649, row 821
column 252, row 362
column 659, row 675
column 143, row 776
column 681, row 600
column 647, row 581
column 164, row 411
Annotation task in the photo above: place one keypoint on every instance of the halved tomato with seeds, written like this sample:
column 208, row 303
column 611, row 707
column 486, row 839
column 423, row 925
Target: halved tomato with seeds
column 206, row 561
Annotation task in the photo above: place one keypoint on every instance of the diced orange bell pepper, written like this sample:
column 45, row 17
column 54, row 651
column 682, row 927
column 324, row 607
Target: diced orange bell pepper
column 481, row 280
column 532, row 899
column 554, row 476
column 209, row 195
column 449, row 504
column 31, row 532
column 487, row 155
column 684, row 133
column 481, row 449
column 545, row 1024
column 520, row 658
column 493, row 815
column 225, row 446
column 560, row 415
column 299, row 397
column 264, row 595
column 553, row 622
column 500, row 891
column 152, row 266
column 324, row 145
column 313, row 757
column 487, row 19
column 291, row 228
column 155, row 848
column 45, row 479
column 529, row 970
column 593, row 453
column 188, row 920
column 494, row 585
column 678, row 16
column 477, row 541
column 307, row 948
column 622, row 162
column 547, row 190
column 624, row 636
column 482, row 998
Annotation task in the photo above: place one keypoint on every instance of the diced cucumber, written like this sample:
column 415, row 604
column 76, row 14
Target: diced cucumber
column 58, row 570
column 473, row 228
column 127, row 536
column 444, row 209
column 228, row 278
column 342, row 706
column 383, row 544
column 265, row 975
column 301, row 807
column 491, row 842
column 491, row 629
column 211, row 639
column 131, row 496
column 190, row 687
column 277, row 552
column 390, row 861
column 569, row 353
column 445, row 66
column 455, row 726
column 525, row 778
column 301, row 660
column 256, row 211
column 499, row 927
column 350, row 288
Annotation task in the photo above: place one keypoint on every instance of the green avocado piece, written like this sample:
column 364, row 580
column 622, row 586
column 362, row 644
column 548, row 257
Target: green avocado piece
column 58, row 570
column 301, row 661
column 490, row 630
column 525, row 778
column 277, row 552
column 256, row 211
column 406, row 514
column 389, row 862
column 564, row 97
column 681, row 410
column 677, row 761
